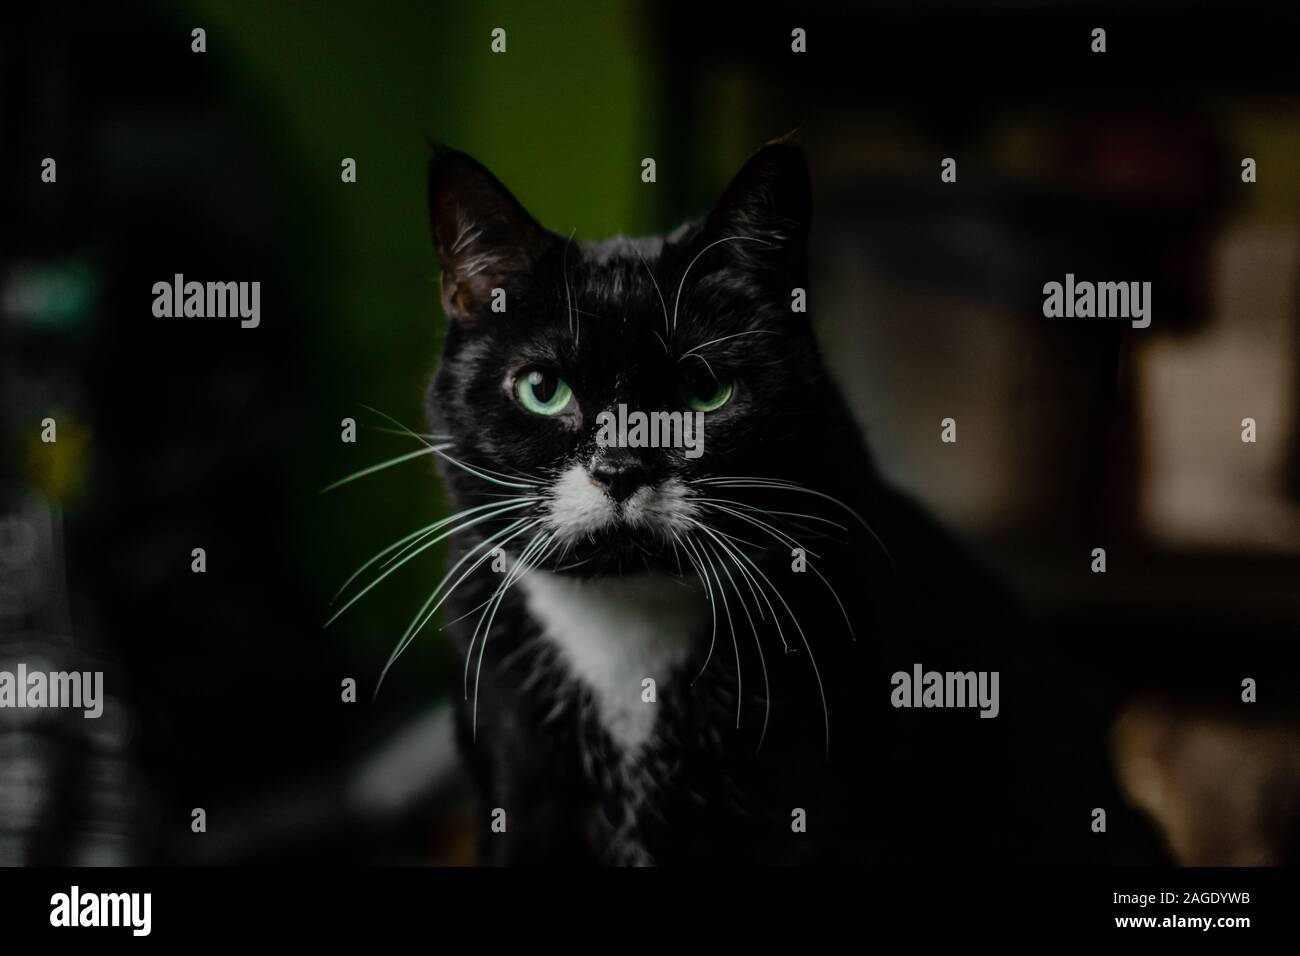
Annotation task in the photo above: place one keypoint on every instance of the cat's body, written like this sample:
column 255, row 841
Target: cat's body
column 652, row 623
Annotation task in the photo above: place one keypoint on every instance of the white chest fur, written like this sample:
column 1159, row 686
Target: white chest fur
column 615, row 632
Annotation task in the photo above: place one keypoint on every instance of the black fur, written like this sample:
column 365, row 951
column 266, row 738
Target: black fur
column 896, row 785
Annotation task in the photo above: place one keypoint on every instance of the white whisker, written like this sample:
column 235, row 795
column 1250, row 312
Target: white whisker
column 525, row 564
column 426, row 612
column 381, row 466
column 424, row 547
column 663, row 305
column 724, row 338
column 677, row 300
column 821, row 688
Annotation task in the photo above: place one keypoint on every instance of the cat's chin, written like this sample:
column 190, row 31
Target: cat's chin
column 616, row 554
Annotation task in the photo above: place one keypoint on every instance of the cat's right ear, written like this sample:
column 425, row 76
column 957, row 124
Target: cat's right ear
column 483, row 235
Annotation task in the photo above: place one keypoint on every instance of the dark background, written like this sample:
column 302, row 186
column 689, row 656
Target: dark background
column 175, row 434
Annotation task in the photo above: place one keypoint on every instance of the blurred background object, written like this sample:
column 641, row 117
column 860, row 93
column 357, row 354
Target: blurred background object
column 1224, row 788
column 225, row 165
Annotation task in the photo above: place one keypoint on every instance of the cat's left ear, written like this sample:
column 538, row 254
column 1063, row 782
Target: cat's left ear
column 765, row 213
column 485, row 238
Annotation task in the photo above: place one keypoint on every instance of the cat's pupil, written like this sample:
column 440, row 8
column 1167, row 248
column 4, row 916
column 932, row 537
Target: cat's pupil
column 543, row 385
column 702, row 385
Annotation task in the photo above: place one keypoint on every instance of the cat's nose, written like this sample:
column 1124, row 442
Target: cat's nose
column 619, row 472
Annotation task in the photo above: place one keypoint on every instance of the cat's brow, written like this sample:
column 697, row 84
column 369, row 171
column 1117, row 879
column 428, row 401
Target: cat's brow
column 723, row 338
column 564, row 272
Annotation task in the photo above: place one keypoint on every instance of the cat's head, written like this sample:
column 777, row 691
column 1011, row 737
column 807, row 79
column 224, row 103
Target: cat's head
column 546, row 333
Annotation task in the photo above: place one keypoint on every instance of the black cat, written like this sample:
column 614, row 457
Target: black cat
column 681, row 659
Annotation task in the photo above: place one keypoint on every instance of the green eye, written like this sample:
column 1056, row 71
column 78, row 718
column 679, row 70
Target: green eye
column 706, row 393
column 542, row 393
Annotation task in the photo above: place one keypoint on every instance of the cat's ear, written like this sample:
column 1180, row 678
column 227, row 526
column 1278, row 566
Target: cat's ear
column 483, row 235
column 765, row 213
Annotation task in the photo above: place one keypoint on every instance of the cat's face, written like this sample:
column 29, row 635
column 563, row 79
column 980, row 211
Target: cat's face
column 547, row 333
